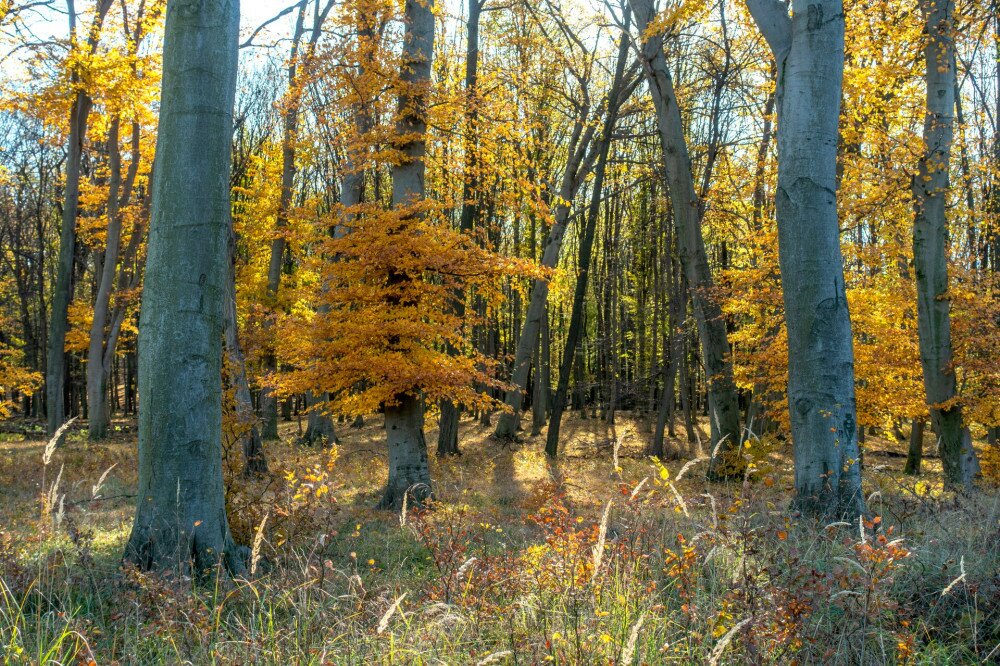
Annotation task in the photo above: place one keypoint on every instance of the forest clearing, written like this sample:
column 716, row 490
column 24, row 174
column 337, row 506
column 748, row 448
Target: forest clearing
column 499, row 332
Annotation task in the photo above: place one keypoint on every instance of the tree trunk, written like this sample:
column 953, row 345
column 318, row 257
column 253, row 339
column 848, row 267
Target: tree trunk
column 97, row 389
column 448, row 429
column 247, row 432
column 580, row 159
column 614, row 102
column 181, row 520
column 930, row 261
column 723, row 403
column 448, row 421
column 409, row 474
column 809, row 50
column 55, row 373
column 290, row 123
column 671, row 354
column 320, row 424
column 101, row 352
column 55, row 380
column 540, row 403
column 687, row 390
column 915, row 454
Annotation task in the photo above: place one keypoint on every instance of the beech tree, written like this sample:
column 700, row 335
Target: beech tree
column 448, row 423
column 180, row 519
column 930, row 232
column 681, row 275
column 55, row 376
column 621, row 88
column 113, row 275
column 808, row 47
column 688, row 208
column 384, row 328
column 582, row 150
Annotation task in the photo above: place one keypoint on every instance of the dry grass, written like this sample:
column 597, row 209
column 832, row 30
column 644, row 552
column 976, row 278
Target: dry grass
column 503, row 569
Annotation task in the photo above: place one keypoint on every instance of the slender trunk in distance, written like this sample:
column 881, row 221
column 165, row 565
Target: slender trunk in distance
column 725, row 447
column 930, row 260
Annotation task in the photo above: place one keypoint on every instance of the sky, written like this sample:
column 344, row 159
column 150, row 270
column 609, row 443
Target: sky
column 52, row 23
column 255, row 12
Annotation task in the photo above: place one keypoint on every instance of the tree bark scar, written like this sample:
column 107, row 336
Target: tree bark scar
column 814, row 18
column 192, row 8
column 803, row 405
column 848, row 426
column 196, row 448
column 826, row 313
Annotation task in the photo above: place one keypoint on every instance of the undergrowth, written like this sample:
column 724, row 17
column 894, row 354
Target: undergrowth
column 608, row 559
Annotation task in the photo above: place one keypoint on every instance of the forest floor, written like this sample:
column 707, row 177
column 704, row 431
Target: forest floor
column 603, row 556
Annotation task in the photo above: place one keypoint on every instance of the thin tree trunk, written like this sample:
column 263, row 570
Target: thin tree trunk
column 248, row 434
column 97, row 425
column 320, row 424
column 290, row 119
column 55, row 377
column 723, row 400
column 665, row 411
column 686, row 389
column 615, row 100
column 915, row 453
column 930, row 262
column 448, row 421
column 580, row 159
column 180, row 520
column 541, row 402
column 808, row 48
column 101, row 351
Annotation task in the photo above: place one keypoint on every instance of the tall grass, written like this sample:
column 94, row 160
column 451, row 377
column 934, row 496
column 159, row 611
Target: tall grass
column 644, row 567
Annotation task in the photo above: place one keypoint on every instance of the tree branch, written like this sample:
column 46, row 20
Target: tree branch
column 771, row 17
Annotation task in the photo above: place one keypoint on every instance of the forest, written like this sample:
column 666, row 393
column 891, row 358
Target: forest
column 499, row 332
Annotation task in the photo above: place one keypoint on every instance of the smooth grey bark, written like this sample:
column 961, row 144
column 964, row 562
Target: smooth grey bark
column 55, row 370
column 448, row 421
column 808, row 48
column 180, row 521
column 409, row 474
column 688, row 208
column 101, row 351
column 320, row 425
column 930, row 238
